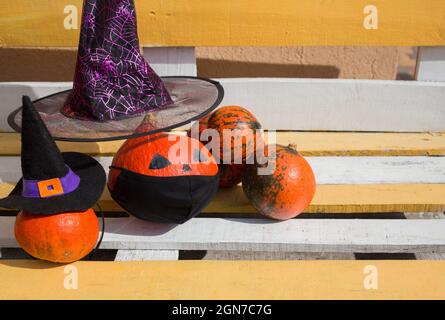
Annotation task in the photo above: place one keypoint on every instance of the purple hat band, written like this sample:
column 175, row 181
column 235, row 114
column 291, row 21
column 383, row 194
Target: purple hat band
column 52, row 187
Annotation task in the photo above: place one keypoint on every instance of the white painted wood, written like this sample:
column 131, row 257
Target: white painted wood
column 431, row 64
column 340, row 105
column 424, row 215
column 328, row 170
column 430, row 256
column 308, row 104
column 172, row 61
column 297, row 235
column 273, row 256
column 146, row 255
column 376, row 170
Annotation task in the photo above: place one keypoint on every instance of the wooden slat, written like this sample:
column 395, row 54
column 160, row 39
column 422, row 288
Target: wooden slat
column 270, row 256
column 431, row 64
column 248, row 280
column 328, row 199
column 308, row 144
column 340, row 105
column 146, row 255
column 223, row 23
column 327, row 170
column 378, row 170
column 297, row 235
column 172, row 61
column 350, row 199
column 11, row 146
column 308, row 104
column 364, row 144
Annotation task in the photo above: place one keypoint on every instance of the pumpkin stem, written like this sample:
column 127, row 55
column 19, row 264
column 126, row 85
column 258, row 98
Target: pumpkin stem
column 292, row 148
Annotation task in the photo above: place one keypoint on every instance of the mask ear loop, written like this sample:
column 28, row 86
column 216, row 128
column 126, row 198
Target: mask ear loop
column 91, row 255
column 116, row 168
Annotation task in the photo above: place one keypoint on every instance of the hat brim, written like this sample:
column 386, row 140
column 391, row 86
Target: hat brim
column 92, row 183
column 193, row 99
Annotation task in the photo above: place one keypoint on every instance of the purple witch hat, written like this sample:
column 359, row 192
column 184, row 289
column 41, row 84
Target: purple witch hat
column 112, row 78
column 116, row 94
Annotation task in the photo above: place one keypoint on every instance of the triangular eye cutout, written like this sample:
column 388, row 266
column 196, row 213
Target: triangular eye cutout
column 186, row 168
column 159, row 162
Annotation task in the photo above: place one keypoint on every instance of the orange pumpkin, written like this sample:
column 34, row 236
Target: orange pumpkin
column 59, row 238
column 241, row 123
column 230, row 175
column 287, row 191
column 151, row 156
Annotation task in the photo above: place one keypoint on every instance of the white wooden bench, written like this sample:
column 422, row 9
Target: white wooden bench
column 377, row 149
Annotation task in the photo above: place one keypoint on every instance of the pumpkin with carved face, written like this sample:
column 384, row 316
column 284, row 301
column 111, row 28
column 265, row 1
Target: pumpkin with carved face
column 163, row 178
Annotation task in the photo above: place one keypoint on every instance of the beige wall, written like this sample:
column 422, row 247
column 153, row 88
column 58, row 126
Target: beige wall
column 309, row 62
column 317, row 62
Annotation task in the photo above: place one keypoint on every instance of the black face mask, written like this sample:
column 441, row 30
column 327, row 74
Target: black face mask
column 163, row 199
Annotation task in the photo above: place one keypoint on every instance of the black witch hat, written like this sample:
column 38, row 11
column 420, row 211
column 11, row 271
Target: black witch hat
column 115, row 90
column 52, row 182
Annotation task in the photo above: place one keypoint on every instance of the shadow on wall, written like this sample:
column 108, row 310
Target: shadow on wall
column 37, row 64
column 239, row 69
column 40, row 64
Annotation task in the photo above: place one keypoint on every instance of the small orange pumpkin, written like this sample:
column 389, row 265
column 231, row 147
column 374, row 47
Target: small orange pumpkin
column 243, row 124
column 285, row 193
column 59, row 238
column 200, row 125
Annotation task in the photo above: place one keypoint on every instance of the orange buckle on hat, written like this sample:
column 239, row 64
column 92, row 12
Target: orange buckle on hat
column 50, row 188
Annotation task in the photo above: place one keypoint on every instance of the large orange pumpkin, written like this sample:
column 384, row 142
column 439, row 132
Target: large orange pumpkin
column 59, row 238
column 287, row 191
column 163, row 178
column 243, row 124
